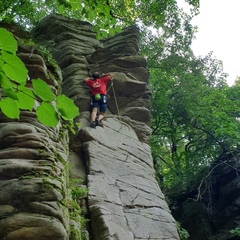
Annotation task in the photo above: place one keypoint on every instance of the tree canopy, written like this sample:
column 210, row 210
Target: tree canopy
column 106, row 15
column 194, row 118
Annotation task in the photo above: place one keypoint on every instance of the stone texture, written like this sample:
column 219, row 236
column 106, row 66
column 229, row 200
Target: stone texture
column 124, row 199
column 114, row 161
column 33, row 161
column 124, row 196
column 32, row 181
column 78, row 54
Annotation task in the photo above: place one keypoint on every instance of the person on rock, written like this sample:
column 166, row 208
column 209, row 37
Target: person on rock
column 98, row 86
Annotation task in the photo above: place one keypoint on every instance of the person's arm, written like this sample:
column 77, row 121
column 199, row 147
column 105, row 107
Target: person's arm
column 111, row 75
column 86, row 80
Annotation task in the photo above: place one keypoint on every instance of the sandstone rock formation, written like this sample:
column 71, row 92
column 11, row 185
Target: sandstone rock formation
column 124, row 200
column 33, row 160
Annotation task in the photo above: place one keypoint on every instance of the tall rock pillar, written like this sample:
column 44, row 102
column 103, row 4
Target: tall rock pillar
column 124, row 199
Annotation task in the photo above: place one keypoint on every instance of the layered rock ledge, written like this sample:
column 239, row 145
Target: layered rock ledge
column 114, row 161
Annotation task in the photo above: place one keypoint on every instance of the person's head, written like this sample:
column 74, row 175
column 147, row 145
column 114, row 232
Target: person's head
column 96, row 75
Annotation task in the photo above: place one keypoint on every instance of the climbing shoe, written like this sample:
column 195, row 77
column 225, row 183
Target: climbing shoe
column 93, row 124
column 98, row 122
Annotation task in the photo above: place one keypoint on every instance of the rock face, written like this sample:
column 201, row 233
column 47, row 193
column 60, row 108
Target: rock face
column 124, row 198
column 218, row 211
column 114, row 161
column 33, row 173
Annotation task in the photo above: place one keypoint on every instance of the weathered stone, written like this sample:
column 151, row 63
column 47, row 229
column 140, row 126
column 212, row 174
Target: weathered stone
column 114, row 161
column 27, row 226
column 117, row 157
column 32, row 169
column 123, row 192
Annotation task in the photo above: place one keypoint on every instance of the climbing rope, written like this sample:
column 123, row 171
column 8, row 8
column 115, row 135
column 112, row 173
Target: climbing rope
column 115, row 98
column 110, row 85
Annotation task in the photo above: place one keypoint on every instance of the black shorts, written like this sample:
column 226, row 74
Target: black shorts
column 101, row 103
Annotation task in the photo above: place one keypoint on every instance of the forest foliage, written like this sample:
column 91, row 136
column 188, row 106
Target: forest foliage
column 195, row 114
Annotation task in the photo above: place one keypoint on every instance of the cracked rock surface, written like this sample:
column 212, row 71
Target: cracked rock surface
column 125, row 200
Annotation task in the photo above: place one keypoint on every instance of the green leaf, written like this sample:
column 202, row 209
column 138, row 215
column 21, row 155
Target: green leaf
column 4, row 81
column 113, row 21
column 14, row 68
column 118, row 29
column 7, row 41
column 26, row 98
column 47, row 115
column 48, row 2
column 66, row 107
column 10, row 108
column 61, row 9
column 76, row 6
column 41, row 89
column 104, row 34
column 111, row 31
column 10, row 93
column 1, row 62
column 106, row 10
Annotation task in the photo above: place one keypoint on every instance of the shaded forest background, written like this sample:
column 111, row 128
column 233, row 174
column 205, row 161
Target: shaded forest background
column 195, row 114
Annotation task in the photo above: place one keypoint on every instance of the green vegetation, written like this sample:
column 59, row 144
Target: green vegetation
column 194, row 119
column 108, row 16
column 16, row 96
column 183, row 233
column 75, row 207
column 235, row 231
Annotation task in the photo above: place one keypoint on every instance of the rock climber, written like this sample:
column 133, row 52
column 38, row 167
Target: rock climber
column 98, row 86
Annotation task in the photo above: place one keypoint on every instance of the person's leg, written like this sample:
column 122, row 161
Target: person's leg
column 94, row 114
column 99, row 119
column 93, row 123
column 100, row 116
column 102, row 108
column 102, row 104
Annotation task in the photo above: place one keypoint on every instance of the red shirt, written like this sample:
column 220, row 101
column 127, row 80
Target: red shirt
column 98, row 86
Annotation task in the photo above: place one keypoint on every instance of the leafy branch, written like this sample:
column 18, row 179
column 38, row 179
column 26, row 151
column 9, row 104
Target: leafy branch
column 50, row 109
